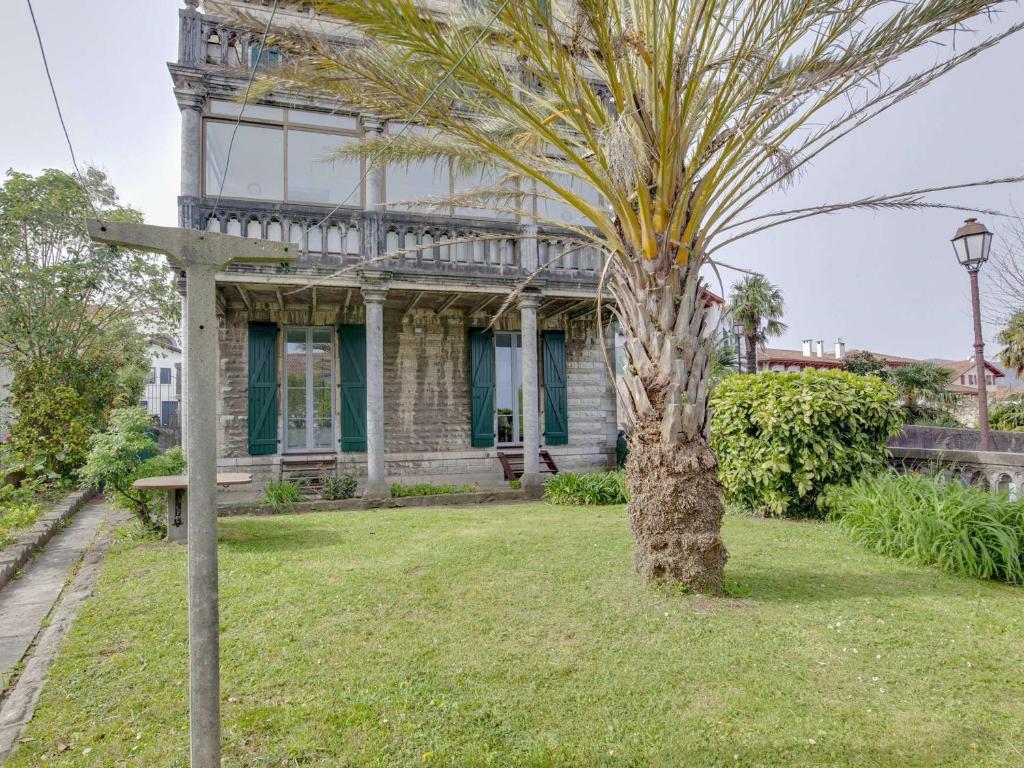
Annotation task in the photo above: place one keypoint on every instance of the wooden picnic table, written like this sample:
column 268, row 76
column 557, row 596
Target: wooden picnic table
column 177, row 497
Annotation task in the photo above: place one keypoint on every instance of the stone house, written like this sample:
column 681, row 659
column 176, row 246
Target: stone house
column 374, row 354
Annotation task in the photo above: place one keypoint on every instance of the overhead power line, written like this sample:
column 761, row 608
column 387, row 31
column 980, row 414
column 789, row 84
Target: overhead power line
column 60, row 112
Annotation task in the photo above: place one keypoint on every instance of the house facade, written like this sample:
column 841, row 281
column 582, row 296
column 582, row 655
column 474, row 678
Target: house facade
column 377, row 354
column 161, row 395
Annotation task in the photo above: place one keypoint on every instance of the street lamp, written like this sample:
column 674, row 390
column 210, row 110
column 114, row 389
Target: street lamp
column 971, row 244
column 737, row 328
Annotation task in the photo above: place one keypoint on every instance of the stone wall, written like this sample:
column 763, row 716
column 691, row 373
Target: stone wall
column 426, row 389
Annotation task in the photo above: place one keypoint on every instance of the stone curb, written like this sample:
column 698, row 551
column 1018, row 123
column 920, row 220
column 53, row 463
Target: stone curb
column 344, row 505
column 15, row 555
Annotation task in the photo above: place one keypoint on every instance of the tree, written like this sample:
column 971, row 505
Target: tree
column 865, row 364
column 661, row 123
column 1012, row 339
column 70, row 315
column 922, row 390
column 61, row 294
column 758, row 306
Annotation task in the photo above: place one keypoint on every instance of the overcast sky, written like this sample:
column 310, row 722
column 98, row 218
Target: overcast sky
column 882, row 281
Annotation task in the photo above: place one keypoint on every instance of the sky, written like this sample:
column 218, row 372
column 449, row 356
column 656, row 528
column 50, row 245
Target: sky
column 884, row 281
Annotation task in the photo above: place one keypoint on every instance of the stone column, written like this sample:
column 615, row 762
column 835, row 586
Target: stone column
column 190, row 102
column 376, row 483
column 529, row 248
column 373, row 127
column 531, row 407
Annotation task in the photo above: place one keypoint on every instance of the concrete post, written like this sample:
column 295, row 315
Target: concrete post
column 376, row 484
column 201, row 255
column 203, row 615
column 531, row 407
column 373, row 127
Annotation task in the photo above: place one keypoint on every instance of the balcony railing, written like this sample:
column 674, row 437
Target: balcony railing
column 402, row 241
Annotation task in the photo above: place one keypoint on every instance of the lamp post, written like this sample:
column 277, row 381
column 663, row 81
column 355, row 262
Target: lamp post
column 971, row 244
column 737, row 328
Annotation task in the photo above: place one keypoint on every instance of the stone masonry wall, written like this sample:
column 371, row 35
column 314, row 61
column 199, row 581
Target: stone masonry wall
column 426, row 375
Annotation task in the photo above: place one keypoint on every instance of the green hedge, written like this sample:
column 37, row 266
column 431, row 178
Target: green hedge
column 923, row 520
column 783, row 438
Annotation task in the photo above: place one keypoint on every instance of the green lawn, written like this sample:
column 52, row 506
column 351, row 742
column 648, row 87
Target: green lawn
column 518, row 636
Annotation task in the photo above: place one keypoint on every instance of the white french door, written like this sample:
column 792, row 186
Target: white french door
column 508, row 390
column 309, row 389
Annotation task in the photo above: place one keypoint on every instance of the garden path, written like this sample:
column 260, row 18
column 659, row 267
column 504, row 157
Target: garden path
column 37, row 609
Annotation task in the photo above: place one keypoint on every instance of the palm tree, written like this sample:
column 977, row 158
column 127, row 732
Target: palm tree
column 1012, row 339
column 921, row 388
column 662, row 123
column 758, row 306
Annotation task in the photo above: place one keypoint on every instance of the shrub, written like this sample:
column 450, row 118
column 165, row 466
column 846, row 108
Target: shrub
column 426, row 489
column 282, row 494
column 591, row 488
column 116, row 458
column 334, row 488
column 18, row 510
column 1008, row 416
column 923, row 520
column 58, row 403
column 783, row 438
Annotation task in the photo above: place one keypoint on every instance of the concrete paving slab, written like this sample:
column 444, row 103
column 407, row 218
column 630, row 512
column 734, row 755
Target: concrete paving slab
column 27, row 601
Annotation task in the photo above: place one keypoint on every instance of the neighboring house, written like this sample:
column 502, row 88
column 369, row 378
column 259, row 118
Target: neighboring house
column 161, row 396
column 813, row 354
column 294, row 343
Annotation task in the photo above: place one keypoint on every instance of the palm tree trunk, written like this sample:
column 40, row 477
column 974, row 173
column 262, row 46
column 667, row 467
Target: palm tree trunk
column 675, row 508
column 751, row 352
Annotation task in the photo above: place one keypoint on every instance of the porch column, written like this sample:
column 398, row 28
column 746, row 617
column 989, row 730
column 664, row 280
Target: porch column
column 373, row 127
column 531, row 407
column 376, row 484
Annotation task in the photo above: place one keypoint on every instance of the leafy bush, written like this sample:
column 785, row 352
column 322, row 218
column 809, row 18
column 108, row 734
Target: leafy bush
column 783, row 438
column 923, row 520
column 59, row 403
column 116, row 458
column 19, row 510
column 1008, row 416
column 591, row 488
column 282, row 494
column 426, row 489
column 334, row 488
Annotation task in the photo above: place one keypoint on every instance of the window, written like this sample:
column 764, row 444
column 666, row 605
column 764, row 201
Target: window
column 309, row 389
column 315, row 178
column 144, row 405
column 483, row 179
column 416, row 181
column 561, row 212
column 972, row 379
column 257, row 161
column 165, row 375
column 272, row 160
column 508, row 390
column 151, row 376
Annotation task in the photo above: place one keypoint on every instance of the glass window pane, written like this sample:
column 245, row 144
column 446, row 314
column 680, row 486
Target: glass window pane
column 562, row 212
column 254, row 111
column 415, row 181
column 344, row 122
column 257, row 161
column 313, row 176
column 483, row 179
column 504, row 394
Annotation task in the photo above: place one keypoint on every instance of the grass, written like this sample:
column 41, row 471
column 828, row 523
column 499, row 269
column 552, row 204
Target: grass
column 518, row 636
column 426, row 489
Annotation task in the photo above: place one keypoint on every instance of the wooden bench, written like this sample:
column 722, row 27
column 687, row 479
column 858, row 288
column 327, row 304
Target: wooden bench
column 512, row 464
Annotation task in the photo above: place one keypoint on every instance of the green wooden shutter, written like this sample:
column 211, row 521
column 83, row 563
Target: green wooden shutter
column 481, row 382
column 352, row 359
column 262, row 388
column 556, row 403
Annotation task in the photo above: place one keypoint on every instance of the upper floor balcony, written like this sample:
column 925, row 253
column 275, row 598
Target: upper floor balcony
column 272, row 170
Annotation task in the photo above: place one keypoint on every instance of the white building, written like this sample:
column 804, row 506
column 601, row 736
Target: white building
column 162, row 394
